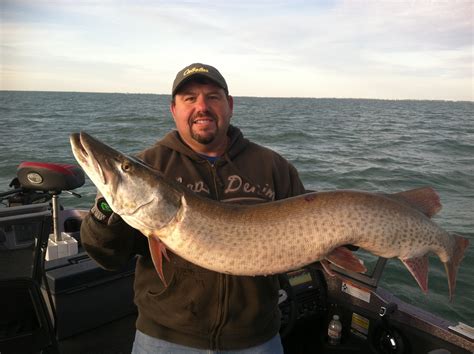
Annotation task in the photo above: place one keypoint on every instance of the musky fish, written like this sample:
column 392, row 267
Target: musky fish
column 273, row 237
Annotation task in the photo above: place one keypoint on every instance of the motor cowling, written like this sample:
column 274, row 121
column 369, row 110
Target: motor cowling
column 46, row 176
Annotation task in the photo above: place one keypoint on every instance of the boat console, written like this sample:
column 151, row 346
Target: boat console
column 303, row 296
column 374, row 320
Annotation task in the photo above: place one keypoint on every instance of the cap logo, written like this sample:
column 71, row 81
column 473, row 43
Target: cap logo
column 195, row 70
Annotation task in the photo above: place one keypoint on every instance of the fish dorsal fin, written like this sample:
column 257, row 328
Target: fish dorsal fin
column 424, row 199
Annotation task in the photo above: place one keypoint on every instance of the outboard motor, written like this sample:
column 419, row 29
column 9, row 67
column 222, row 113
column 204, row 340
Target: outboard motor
column 51, row 178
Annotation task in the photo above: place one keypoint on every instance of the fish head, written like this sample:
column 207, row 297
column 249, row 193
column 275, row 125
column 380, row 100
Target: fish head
column 133, row 189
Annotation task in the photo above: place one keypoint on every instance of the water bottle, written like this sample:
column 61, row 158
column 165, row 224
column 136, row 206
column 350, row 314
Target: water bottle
column 335, row 330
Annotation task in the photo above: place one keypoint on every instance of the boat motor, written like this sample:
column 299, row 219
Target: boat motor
column 51, row 178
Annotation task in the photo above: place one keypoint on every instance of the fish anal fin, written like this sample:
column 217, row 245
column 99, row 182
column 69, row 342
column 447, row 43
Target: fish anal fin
column 418, row 267
column 157, row 251
column 345, row 259
column 452, row 265
column 424, row 199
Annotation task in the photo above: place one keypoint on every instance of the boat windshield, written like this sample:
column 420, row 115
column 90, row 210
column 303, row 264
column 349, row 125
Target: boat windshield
column 374, row 264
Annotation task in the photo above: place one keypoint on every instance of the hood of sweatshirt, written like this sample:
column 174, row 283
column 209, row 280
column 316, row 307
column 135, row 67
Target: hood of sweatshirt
column 237, row 143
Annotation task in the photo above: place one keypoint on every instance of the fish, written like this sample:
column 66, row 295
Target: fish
column 274, row 237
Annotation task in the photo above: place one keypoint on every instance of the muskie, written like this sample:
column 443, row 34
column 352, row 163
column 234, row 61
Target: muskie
column 273, row 237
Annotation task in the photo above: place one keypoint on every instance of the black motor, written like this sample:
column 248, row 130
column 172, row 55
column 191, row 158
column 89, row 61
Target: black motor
column 36, row 182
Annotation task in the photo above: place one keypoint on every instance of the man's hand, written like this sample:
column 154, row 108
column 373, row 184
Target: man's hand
column 103, row 213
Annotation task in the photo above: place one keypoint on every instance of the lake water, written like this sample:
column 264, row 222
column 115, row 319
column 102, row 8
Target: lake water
column 372, row 145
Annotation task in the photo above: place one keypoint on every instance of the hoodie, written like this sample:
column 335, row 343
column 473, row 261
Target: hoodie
column 201, row 308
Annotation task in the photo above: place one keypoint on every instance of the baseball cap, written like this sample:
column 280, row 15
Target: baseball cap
column 198, row 70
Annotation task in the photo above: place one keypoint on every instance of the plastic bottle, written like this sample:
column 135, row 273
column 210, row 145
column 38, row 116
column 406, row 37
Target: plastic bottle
column 335, row 330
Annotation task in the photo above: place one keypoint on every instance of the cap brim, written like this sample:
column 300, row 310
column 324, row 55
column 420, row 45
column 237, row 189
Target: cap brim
column 195, row 76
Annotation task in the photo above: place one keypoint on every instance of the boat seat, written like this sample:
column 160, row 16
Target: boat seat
column 46, row 176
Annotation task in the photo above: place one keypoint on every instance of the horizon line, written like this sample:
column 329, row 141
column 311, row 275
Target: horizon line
column 245, row 96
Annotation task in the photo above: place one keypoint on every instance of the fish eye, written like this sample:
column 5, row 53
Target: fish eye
column 126, row 166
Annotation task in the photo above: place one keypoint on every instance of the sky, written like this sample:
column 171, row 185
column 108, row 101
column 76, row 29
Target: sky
column 385, row 49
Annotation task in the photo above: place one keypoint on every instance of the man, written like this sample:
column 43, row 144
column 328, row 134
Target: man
column 200, row 310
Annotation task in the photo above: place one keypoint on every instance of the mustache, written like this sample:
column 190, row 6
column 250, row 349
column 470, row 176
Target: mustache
column 202, row 114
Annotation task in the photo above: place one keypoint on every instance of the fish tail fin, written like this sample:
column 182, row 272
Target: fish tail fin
column 451, row 266
column 418, row 267
column 344, row 258
column 157, row 251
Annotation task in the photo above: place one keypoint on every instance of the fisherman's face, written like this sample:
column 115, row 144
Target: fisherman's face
column 202, row 113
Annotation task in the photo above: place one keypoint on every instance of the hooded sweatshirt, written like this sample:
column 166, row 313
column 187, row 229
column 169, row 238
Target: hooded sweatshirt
column 201, row 308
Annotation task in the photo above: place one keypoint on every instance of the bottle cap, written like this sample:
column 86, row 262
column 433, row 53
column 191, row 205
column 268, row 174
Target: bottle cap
column 336, row 317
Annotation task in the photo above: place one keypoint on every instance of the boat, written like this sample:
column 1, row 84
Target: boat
column 55, row 299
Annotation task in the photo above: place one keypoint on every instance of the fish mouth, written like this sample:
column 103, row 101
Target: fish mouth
column 83, row 146
column 77, row 148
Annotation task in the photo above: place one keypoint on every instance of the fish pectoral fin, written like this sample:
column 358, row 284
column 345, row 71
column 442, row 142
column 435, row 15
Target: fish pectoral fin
column 418, row 267
column 451, row 266
column 344, row 258
column 157, row 251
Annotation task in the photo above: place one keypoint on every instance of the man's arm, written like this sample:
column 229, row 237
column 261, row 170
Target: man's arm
column 108, row 239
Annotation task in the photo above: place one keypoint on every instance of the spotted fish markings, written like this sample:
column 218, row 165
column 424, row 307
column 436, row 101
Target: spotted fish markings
column 273, row 237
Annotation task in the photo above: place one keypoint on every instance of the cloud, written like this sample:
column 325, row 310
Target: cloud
column 324, row 48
